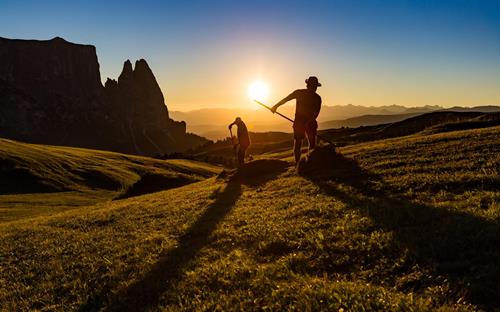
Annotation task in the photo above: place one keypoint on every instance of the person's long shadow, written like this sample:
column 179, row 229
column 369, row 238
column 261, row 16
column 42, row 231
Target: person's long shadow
column 462, row 248
column 146, row 292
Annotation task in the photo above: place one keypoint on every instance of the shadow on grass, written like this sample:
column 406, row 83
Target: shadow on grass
column 257, row 172
column 14, row 180
column 456, row 246
column 146, row 292
column 151, row 183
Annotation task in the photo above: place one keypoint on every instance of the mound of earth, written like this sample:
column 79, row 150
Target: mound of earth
column 256, row 170
column 326, row 162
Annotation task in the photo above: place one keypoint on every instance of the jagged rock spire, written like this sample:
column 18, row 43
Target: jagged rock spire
column 127, row 72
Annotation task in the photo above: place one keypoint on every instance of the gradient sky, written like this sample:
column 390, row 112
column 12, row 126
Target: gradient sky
column 206, row 53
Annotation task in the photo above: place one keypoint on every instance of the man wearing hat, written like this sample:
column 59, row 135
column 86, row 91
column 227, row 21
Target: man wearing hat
column 306, row 112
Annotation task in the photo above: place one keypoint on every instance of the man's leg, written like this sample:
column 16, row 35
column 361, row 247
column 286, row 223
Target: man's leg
column 297, row 145
column 311, row 138
column 241, row 156
column 311, row 131
column 298, row 135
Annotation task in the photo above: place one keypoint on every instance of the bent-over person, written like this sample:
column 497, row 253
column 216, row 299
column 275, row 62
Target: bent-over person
column 243, row 139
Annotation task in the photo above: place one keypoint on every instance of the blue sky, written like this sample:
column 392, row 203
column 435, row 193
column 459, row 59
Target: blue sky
column 205, row 53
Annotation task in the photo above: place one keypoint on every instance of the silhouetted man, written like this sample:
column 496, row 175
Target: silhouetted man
column 306, row 112
column 243, row 140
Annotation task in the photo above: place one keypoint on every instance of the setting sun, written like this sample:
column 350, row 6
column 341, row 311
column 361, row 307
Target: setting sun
column 258, row 90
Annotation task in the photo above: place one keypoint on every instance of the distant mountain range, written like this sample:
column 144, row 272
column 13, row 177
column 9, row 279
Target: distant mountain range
column 212, row 122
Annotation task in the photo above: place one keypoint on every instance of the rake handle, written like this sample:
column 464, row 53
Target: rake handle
column 269, row 108
column 289, row 119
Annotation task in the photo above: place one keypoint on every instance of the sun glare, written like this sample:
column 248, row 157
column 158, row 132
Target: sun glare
column 258, row 91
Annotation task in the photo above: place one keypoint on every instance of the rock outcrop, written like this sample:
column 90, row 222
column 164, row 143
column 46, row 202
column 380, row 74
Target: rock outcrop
column 138, row 104
column 51, row 92
column 52, row 67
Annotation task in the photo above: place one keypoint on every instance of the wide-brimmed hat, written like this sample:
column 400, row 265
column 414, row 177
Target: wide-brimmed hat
column 313, row 80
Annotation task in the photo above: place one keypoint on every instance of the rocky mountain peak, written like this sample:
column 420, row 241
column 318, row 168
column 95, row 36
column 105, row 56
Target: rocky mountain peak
column 142, row 65
column 51, row 93
column 58, row 39
column 110, row 83
column 127, row 72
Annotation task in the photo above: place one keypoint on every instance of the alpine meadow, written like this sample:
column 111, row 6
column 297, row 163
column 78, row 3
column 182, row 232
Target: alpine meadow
column 250, row 155
column 401, row 224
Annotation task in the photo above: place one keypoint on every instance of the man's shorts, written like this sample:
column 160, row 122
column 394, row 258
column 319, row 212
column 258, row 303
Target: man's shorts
column 301, row 128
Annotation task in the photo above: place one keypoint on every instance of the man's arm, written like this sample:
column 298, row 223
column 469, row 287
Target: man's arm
column 290, row 97
column 229, row 127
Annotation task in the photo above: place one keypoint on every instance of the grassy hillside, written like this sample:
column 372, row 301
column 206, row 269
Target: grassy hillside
column 366, row 120
column 37, row 179
column 268, row 143
column 424, row 122
column 222, row 151
column 404, row 224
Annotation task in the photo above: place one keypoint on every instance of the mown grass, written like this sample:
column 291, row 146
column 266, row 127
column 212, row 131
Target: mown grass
column 407, row 224
column 41, row 179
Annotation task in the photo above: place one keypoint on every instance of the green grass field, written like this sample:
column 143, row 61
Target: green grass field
column 38, row 179
column 406, row 224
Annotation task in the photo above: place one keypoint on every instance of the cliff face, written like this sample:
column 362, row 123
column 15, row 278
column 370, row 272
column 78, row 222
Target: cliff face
column 62, row 67
column 60, row 84
column 51, row 92
column 139, row 105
